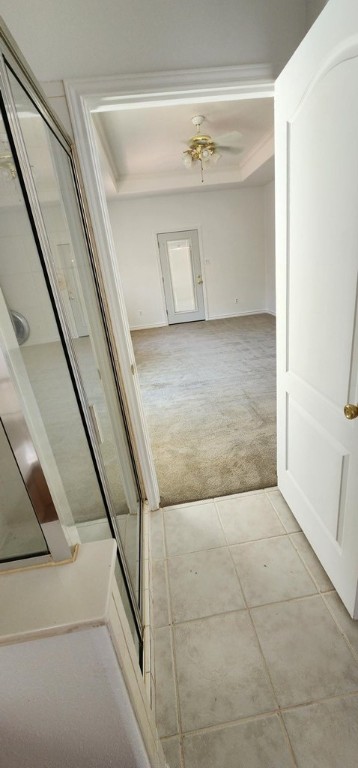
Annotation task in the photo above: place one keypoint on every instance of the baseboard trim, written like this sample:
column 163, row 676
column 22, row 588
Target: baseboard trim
column 238, row 314
column 147, row 327
column 211, row 317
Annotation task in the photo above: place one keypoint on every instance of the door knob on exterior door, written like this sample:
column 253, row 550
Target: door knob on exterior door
column 351, row 411
column 199, row 280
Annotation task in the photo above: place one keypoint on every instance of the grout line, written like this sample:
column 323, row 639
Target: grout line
column 232, row 723
column 310, row 573
column 223, row 546
column 341, row 631
column 172, row 640
column 220, row 523
column 287, row 736
column 254, row 628
column 278, row 515
column 228, row 497
column 246, row 607
column 180, row 742
column 279, row 711
column 238, row 496
column 321, row 700
column 186, row 504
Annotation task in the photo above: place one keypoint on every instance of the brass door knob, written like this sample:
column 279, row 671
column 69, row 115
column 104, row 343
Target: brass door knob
column 199, row 280
column 351, row 411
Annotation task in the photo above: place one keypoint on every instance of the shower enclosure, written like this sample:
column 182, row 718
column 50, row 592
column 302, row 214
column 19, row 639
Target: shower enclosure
column 68, row 473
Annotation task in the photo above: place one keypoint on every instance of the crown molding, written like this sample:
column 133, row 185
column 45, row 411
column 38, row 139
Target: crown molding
column 247, row 81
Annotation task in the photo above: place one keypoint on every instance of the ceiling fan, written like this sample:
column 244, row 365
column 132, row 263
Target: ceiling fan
column 203, row 148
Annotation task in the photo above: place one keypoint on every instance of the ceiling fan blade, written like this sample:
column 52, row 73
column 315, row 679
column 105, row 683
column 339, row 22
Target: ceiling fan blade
column 230, row 150
column 228, row 139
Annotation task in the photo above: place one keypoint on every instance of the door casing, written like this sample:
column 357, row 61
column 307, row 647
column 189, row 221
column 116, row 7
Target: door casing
column 190, row 86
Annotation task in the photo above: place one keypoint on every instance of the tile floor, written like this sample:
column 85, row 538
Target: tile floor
column 256, row 659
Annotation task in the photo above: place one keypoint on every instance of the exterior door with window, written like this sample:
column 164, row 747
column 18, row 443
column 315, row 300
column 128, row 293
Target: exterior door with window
column 182, row 278
column 317, row 268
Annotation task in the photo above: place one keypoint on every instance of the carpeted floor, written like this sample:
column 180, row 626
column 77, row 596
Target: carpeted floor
column 210, row 397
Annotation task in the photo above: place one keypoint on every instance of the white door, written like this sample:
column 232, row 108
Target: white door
column 182, row 279
column 317, row 266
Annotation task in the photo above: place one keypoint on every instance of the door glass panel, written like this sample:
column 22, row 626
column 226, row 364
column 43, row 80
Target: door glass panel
column 181, row 273
column 68, row 252
column 20, row 533
column 38, row 365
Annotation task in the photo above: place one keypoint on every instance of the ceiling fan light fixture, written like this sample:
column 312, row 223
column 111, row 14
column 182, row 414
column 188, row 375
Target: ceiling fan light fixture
column 201, row 147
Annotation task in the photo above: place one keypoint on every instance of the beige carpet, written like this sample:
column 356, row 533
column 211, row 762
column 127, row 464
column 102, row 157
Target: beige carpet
column 210, row 397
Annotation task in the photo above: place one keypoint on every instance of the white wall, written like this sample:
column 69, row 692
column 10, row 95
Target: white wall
column 66, row 704
column 87, row 38
column 269, row 224
column 231, row 234
column 314, row 8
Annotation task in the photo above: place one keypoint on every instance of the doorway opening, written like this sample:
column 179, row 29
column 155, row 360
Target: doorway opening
column 203, row 332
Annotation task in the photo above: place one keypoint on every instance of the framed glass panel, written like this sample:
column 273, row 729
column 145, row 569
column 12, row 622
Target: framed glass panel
column 181, row 273
column 52, row 176
column 36, row 360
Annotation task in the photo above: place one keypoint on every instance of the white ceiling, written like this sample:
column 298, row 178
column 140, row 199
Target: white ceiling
column 87, row 38
column 142, row 149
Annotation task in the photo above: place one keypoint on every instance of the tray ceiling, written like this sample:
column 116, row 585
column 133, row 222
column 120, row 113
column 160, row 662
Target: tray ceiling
column 142, row 148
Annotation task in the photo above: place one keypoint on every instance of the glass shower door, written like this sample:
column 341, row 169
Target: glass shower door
column 68, row 357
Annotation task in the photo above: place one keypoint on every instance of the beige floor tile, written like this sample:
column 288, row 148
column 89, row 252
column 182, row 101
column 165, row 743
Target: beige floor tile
column 249, row 518
column 160, row 594
column 202, row 584
column 165, row 699
column 270, row 570
column 171, row 749
column 348, row 626
column 221, row 674
column 306, row 655
column 189, row 529
column 156, row 534
column 311, row 561
column 260, row 743
column 325, row 735
column 287, row 518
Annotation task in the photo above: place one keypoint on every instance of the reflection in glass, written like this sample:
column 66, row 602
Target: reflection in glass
column 38, row 365
column 181, row 274
column 68, row 252
column 20, row 532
